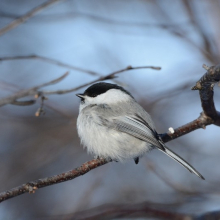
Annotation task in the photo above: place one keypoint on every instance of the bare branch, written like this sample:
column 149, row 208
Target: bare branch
column 35, row 90
column 102, row 78
column 54, row 81
column 27, row 16
column 209, row 115
column 49, row 60
column 41, row 111
column 23, row 103
column 86, row 167
column 143, row 210
column 205, row 83
column 28, row 92
column 128, row 211
column 201, row 122
column 205, row 86
column 32, row 186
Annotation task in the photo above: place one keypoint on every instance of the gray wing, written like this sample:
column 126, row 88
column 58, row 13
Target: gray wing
column 139, row 128
column 123, row 118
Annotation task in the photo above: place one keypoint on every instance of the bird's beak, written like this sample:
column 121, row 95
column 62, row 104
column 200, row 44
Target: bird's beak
column 80, row 95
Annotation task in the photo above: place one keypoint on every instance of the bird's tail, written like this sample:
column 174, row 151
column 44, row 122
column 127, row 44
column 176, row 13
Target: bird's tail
column 177, row 158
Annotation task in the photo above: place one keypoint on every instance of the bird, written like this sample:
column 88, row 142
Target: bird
column 112, row 125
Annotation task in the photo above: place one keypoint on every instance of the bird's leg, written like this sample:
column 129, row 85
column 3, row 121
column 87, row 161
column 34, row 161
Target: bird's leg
column 136, row 160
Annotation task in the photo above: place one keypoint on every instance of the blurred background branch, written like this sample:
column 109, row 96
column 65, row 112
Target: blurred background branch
column 34, row 91
column 131, row 211
column 12, row 99
column 49, row 60
column 28, row 15
column 136, row 211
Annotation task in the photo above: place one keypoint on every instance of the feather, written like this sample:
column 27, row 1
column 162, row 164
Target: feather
column 180, row 160
column 136, row 128
column 139, row 128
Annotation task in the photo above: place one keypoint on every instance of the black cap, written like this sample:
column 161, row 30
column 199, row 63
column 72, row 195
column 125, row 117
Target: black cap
column 102, row 87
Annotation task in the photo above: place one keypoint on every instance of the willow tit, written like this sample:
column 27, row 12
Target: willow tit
column 111, row 124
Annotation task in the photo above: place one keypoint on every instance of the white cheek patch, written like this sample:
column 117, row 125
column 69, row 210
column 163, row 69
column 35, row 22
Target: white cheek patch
column 89, row 100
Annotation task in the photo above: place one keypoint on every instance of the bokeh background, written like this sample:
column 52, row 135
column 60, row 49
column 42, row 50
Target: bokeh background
column 105, row 36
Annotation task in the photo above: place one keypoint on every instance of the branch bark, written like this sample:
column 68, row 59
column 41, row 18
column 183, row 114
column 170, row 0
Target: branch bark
column 32, row 186
column 208, row 116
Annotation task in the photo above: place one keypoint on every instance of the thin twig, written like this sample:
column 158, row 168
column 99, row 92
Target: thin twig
column 26, row 16
column 102, row 78
column 49, row 60
column 35, row 90
column 41, row 111
column 12, row 99
column 54, row 81
column 23, row 103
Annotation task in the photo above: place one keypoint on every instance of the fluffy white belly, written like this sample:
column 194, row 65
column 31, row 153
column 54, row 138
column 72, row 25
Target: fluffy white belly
column 106, row 142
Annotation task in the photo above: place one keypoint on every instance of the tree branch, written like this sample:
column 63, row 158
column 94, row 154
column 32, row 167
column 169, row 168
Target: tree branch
column 205, row 83
column 141, row 210
column 102, row 78
column 12, row 99
column 32, row 186
column 26, row 16
column 48, row 60
column 209, row 115
column 205, row 86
